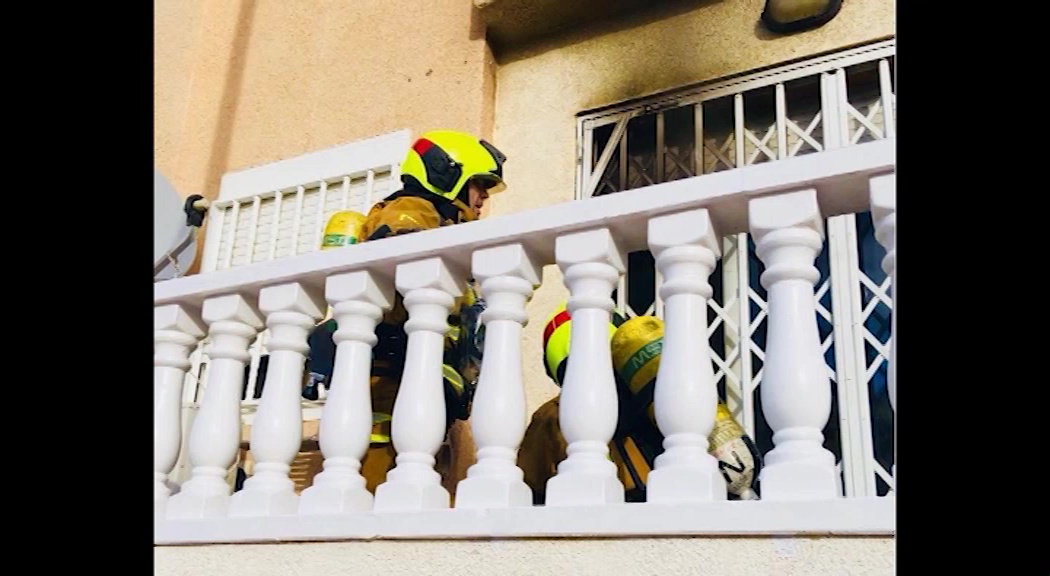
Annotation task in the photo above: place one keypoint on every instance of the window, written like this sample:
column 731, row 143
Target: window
column 802, row 108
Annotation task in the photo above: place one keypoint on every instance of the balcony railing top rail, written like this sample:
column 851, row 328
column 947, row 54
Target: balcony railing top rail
column 840, row 178
column 782, row 204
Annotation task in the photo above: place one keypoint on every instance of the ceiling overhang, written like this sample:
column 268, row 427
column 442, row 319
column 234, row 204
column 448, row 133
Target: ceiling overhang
column 512, row 23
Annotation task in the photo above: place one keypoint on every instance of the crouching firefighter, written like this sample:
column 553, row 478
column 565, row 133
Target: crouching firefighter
column 636, row 347
column 447, row 177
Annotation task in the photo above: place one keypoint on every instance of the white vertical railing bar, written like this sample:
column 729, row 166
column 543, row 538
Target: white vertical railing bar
column 346, row 193
column 370, row 185
column 842, row 246
column 841, row 94
column 886, row 90
column 216, row 223
column 254, row 229
column 738, row 131
column 781, row 104
column 840, row 232
column 744, row 282
column 734, row 386
column 698, row 137
column 234, row 218
column 299, row 193
column 395, row 175
column 319, row 224
column 859, row 385
column 858, row 450
column 276, row 226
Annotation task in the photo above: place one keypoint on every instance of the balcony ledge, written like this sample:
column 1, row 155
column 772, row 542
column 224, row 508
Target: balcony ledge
column 840, row 178
column 842, row 517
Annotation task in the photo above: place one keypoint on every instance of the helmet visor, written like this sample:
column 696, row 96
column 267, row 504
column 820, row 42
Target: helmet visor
column 493, row 181
column 490, row 182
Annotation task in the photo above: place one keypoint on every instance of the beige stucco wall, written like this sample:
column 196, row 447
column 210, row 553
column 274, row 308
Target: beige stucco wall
column 541, row 89
column 245, row 82
column 682, row 556
column 240, row 83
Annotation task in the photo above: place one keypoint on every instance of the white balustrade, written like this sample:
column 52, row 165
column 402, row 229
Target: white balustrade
column 783, row 204
column 884, row 214
column 498, row 417
column 292, row 310
column 686, row 248
column 358, row 300
column 592, row 263
column 417, row 426
column 233, row 322
column 176, row 330
column 796, row 393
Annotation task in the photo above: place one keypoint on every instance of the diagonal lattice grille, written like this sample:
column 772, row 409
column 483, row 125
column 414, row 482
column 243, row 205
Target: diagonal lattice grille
column 763, row 123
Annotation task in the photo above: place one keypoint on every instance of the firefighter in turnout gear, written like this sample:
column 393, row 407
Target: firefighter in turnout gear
column 636, row 346
column 447, row 176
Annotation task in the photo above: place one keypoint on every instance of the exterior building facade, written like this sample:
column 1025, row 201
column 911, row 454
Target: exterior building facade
column 284, row 112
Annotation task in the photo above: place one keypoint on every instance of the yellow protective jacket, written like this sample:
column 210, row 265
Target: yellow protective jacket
column 405, row 212
column 543, row 447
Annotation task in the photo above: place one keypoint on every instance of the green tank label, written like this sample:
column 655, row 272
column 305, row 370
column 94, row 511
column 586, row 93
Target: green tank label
column 641, row 358
column 338, row 240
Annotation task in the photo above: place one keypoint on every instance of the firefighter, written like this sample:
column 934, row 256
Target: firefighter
column 636, row 345
column 447, row 176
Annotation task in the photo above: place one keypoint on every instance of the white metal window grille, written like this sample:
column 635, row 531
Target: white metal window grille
column 279, row 210
column 802, row 108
